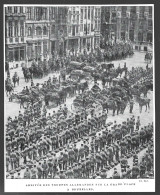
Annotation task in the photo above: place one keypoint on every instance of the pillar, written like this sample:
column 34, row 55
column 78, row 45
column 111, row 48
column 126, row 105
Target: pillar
column 13, row 28
column 136, row 25
column 128, row 19
column 19, row 33
column 7, row 28
column 32, row 13
column 119, row 12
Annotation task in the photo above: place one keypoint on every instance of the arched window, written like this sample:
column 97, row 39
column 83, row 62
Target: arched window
column 44, row 30
column 29, row 31
column 38, row 31
column 53, row 29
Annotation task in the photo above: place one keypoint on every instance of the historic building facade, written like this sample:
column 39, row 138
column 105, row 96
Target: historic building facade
column 15, row 38
column 127, row 22
column 83, row 28
column 37, row 32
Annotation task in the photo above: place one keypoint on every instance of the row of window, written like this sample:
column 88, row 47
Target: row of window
column 86, row 28
column 14, row 10
column 14, row 28
column 40, row 13
column 38, row 31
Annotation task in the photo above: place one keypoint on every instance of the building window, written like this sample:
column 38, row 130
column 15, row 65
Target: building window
column 88, row 29
column 21, row 9
column 53, row 29
column 89, row 13
column 76, row 29
column 69, row 30
column 44, row 13
column 21, row 29
column 81, row 27
column 39, row 13
column 92, row 27
column 29, row 13
column 96, row 25
column 16, row 29
column 45, row 47
column 38, row 31
column 82, row 15
column 53, row 13
column 10, row 28
column 15, row 10
column 9, row 10
column 85, row 28
column 85, row 13
column 92, row 13
column 150, row 10
column 29, row 31
column 44, row 30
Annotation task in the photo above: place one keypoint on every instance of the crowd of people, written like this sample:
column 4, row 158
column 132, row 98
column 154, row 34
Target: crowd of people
column 63, row 145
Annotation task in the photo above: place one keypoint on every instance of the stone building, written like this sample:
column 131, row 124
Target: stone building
column 83, row 28
column 37, row 32
column 127, row 22
column 15, row 38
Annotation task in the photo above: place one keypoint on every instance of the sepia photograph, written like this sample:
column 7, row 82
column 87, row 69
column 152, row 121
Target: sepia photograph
column 79, row 94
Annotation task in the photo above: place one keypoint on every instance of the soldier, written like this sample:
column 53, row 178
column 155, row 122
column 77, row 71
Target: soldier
column 115, row 175
column 83, row 167
column 40, row 170
column 124, row 162
column 65, row 159
column 76, row 153
column 71, row 156
column 57, row 176
column 131, row 105
column 75, row 171
column 62, row 175
column 88, row 167
column 81, row 152
column 135, row 171
column 34, row 172
column 128, row 172
column 50, row 166
column 7, row 161
column 27, row 174
column 69, row 173
column 45, row 169
column 60, row 161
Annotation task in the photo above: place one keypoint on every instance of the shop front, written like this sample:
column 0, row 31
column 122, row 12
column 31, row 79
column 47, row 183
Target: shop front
column 16, row 53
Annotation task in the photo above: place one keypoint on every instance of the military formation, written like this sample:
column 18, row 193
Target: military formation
column 76, row 145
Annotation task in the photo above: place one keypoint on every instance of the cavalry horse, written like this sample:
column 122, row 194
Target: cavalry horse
column 143, row 102
column 148, row 57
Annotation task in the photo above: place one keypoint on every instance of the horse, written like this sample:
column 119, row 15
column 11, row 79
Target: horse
column 148, row 56
column 15, row 80
column 9, row 88
column 110, row 105
column 82, row 86
column 143, row 102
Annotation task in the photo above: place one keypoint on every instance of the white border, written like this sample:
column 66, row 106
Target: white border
column 108, row 185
